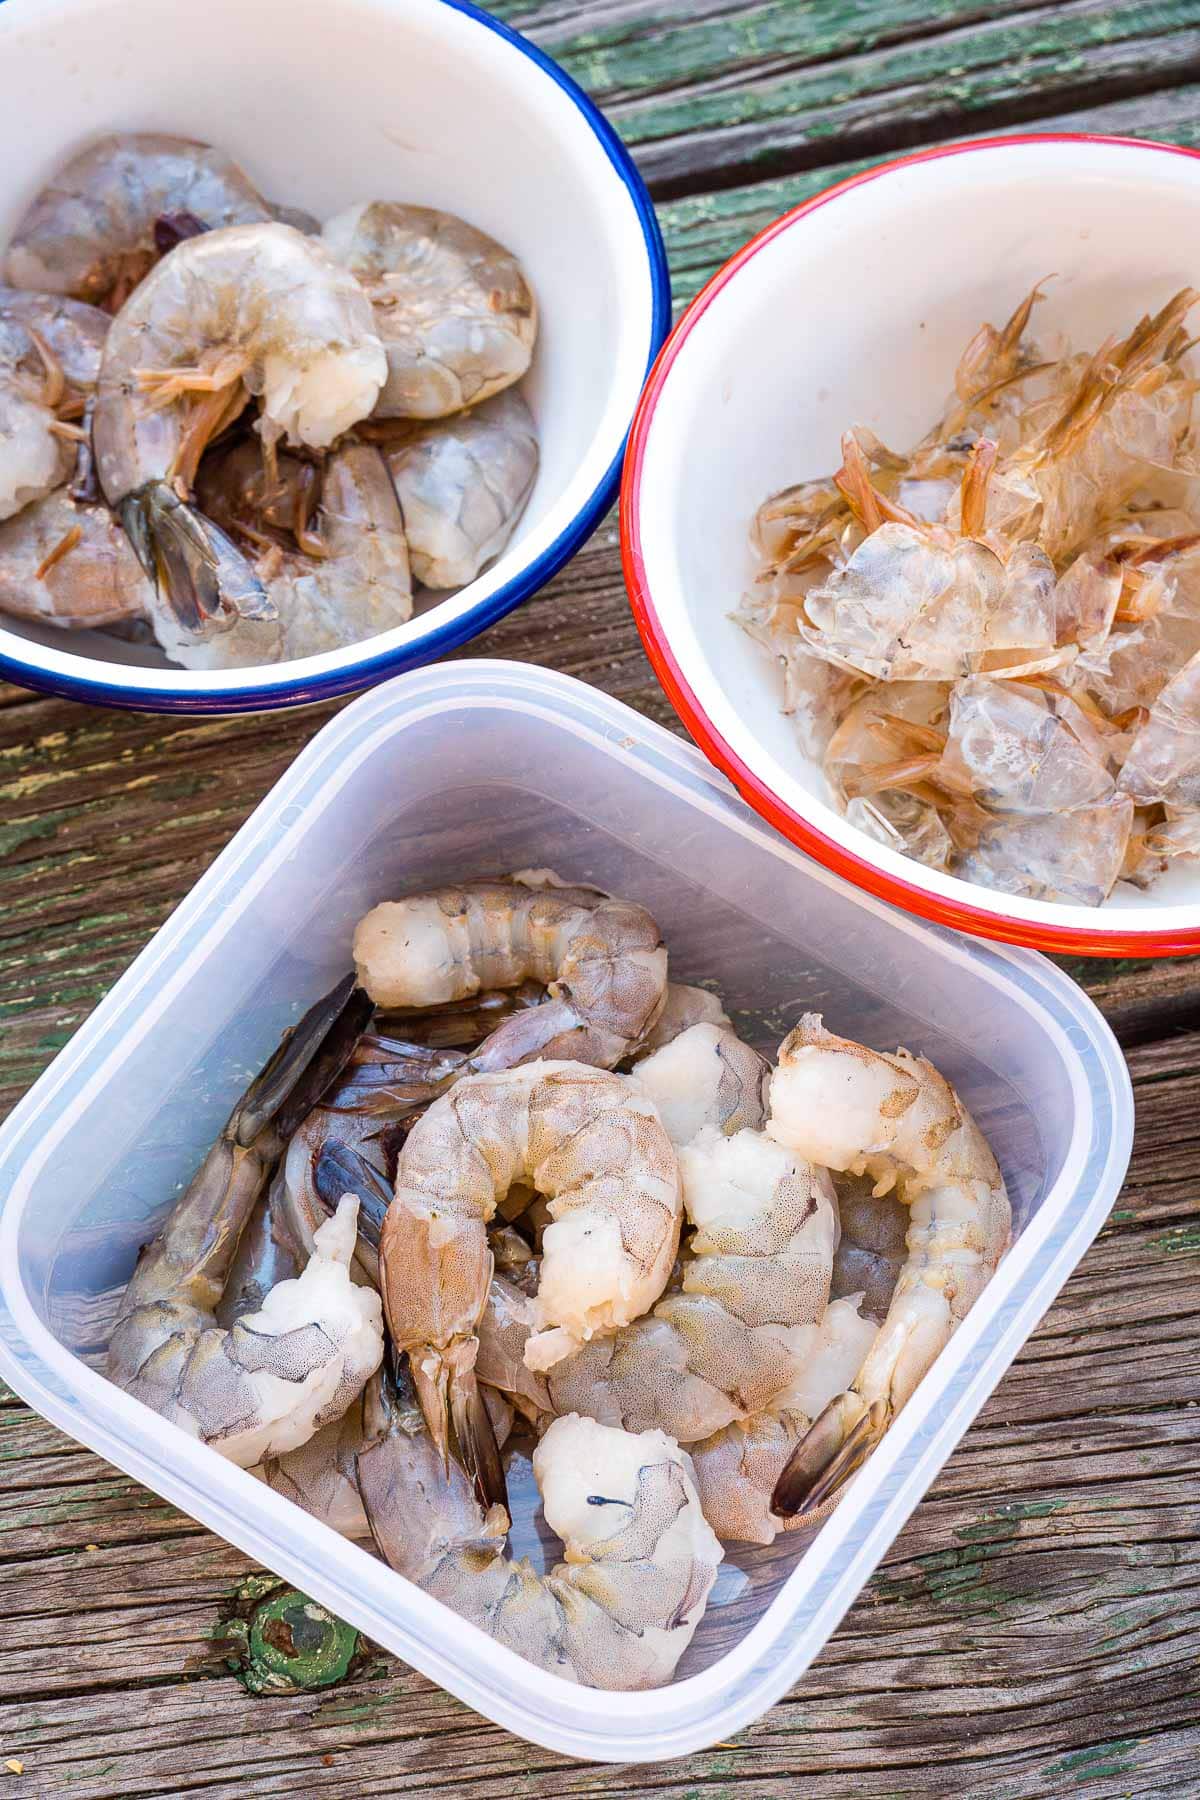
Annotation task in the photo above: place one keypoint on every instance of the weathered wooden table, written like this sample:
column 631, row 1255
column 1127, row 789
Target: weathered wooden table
column 1036, row 1629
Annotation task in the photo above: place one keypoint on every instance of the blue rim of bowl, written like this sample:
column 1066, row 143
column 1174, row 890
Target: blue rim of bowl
column 439, row 640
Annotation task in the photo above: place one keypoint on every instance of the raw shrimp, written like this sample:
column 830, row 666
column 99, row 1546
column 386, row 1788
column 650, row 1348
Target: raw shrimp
column 640, row 1559
column 90, row 231
column 321, row 1475
column 596, row 1149
column 898, row 1120
column 755, row 1275
column 602, row 960
column 1163, row 763
column 871, row 1248
column 737, row 1468
column 462, row 484
column 45, row 343
column 683, row 1007
column 255, row 308
column 274, row 1377
column 67, row 564
column 354, row 585
column 453, row 309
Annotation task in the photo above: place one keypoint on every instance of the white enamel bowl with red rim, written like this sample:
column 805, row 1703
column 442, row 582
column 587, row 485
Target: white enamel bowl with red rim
column 853, row 309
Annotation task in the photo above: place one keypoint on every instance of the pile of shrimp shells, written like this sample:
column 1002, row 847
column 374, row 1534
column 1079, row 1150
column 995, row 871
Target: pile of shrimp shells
column 241, row 433
column 992, row 642
column 510, row 1202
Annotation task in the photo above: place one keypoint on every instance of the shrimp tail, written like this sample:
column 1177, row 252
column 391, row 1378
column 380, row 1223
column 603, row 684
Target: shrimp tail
column 835, row 1445
column 197, row 570
column 475, row 1435
column 339, row 1169
column 309, row 1058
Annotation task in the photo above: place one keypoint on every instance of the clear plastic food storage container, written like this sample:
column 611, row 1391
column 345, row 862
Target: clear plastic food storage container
column 486, row 767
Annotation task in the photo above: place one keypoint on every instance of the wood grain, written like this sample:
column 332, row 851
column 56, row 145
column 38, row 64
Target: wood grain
column 1034, row 1631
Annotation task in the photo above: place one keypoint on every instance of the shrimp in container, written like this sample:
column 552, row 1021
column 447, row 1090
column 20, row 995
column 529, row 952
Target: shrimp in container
column 755, row 1275
column 90, row 232
column 639, row 1558
column 68, row 564
column 601, row 959
column 274, row 1377
column 346, row 580
column 898, row 1120
column 737, row 1468
column 452, row 307
column 254, row 309
column 596, row 1149
column 49, row 358
column 462, row 484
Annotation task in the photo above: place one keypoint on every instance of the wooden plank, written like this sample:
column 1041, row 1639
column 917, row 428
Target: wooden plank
column 731, row 93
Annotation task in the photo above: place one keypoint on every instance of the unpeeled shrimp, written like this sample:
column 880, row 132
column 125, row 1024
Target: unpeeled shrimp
column 90, row 231
column 462, row 484
column 71, row 565
column 755, row 1276
column 596, row 1149
column 602, row 960
column 355, row 585
column 255, row 308
column 453, row 309
column 897, row 1119
column 273, row 1378
column 640, row 1559
column 45, row 344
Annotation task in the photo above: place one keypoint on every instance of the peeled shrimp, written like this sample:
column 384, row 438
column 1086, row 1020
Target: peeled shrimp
column 322, row 1476
column 597, row 1151
column 602, row 960
column 640, row 1559
column 683, row 1007
column 258, row 309
column 737, row 1468
column 756, row 1273
column 90, row 231
column 462, row 484
column 44, row 344
column 898, row 1120
column 454, row 311
column 275, row 1377
column 355, row 585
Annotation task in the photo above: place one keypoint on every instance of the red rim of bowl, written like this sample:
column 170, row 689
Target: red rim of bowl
column 1088, row 940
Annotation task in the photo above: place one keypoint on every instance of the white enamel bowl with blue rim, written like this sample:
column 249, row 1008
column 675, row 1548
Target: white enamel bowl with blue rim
column 430, row 101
